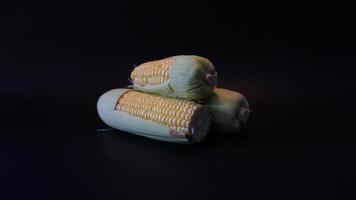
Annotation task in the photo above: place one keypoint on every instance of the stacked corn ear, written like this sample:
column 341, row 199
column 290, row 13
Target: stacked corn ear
column 187, row 77
column 156, row 117
column 230, row 110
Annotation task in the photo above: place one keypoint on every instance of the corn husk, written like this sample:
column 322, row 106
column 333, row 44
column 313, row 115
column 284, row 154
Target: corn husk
column 190, row 77
column 230, row 111
column 124, row 121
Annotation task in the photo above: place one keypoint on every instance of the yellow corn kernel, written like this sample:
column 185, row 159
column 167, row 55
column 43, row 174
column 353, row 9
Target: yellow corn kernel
column 152, row 73
column 165, row 111
column 155, row 117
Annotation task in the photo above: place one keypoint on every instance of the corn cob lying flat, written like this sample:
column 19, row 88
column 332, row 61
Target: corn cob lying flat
column 186, row 77
column 156, row 117
column 230, row 110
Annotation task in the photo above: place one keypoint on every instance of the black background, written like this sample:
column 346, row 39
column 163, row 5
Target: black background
column 294, row 63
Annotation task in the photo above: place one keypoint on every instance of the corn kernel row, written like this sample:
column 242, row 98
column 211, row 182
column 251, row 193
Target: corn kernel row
column 152, row 73
column 173, row 113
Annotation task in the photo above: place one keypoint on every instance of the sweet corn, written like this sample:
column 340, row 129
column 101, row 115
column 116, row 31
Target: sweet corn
column 230, row 110
column 156, row 117
column 186, row 77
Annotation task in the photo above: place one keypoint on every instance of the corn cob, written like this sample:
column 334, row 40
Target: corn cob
column 156, row 117
column 230, row 110
column 186, row 77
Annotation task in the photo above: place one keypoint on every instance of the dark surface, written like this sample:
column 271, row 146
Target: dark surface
column 294, row 64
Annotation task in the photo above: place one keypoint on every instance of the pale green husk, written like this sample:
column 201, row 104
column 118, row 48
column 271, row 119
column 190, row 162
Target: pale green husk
column 230, row 110
column 132, row 124
column 187, row 79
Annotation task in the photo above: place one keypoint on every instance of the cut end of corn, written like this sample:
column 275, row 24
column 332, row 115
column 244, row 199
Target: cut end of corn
column 185, row 119
column 243, row 114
